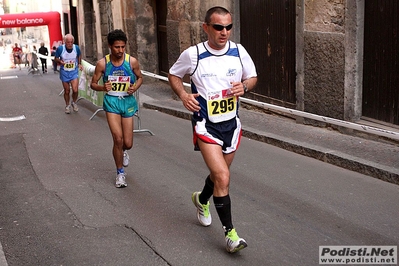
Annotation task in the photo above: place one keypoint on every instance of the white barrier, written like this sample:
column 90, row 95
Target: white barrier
column 84, row 90
column 43, row 56
column 329, row 120
column 363, row 128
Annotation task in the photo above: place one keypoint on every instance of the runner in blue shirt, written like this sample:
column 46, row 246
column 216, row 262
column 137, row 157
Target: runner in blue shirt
column 69, row 58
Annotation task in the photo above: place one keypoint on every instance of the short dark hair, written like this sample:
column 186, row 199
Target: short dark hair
column 216, row 9
column 116, row 35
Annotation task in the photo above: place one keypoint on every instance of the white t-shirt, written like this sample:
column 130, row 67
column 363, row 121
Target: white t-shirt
column 212, row 72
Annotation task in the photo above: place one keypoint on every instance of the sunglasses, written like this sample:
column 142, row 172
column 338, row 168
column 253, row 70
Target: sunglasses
column 219, row 27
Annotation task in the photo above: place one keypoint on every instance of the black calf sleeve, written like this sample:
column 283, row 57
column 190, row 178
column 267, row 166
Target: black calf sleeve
column 223, row 208
column 207, row 191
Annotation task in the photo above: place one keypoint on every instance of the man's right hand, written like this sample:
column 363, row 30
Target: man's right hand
column 107, row 86
column 190, row 102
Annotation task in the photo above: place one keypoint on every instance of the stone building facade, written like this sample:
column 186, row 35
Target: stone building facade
column 138, row 19
column 332, row 37
column 329, row 43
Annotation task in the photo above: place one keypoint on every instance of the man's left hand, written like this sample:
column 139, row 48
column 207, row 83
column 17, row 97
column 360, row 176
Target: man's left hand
column 237, row 89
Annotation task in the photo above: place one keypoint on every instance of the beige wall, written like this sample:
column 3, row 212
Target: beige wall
column 325, row 15
column 117, row 14
column 98, row 29
column 332, row 58
column 184, row 25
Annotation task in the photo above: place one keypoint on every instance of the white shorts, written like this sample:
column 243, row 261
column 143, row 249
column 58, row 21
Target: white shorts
column 227, row 134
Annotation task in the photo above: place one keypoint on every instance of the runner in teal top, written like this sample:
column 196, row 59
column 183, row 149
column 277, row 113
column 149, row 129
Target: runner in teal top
column 117, row 100
column 122, row 70
column 122, row 77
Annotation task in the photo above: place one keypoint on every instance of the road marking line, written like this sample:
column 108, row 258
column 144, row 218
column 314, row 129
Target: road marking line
column 3, row 261
column 9, row 77
column 15, row 118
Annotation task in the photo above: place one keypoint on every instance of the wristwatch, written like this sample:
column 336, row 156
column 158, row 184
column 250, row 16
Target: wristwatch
column 245, row 87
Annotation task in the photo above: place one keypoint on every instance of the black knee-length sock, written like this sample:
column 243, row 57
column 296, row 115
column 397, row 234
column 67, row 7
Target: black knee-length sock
column 223, row 208
column 207, row 191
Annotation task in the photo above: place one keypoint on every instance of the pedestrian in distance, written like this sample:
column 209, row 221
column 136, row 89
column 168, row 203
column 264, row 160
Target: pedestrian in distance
column 43, row 51
column 221, row 71
column 34, row 65
column 17, row 54
column 23, row 30
column 68, row 56
column 122, row 78
column 52, row 60
column 27, row 55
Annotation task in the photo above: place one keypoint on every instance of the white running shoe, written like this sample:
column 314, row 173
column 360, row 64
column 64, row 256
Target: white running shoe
column 75, row 107
column 120, row 180
column 233, row 242
column 68, row 109
column 126, row 159
column 203, row 214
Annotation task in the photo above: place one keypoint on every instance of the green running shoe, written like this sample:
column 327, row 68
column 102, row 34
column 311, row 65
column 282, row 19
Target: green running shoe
column 233, row 242
column 203, row 214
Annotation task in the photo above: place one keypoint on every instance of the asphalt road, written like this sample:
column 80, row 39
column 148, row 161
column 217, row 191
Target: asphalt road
column 59, row 205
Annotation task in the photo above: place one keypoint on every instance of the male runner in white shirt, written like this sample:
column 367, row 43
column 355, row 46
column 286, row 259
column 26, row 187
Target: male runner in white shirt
column 220, row 71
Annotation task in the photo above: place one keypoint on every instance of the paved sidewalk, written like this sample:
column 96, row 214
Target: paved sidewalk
column 369, row 156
